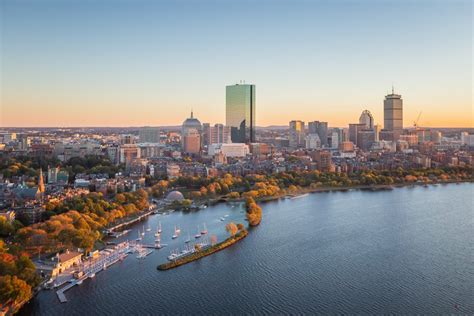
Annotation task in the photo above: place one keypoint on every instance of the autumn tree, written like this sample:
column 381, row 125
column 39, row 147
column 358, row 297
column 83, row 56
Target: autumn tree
column 231, row 228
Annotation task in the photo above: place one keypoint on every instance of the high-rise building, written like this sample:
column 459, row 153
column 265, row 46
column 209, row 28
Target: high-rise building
column 353, row 132
column 335, row 138
column 240, row 112
column 367, row 119
column 217, row 134
column 206, row 130
column 320, row 128
column 297, row 134
column 377, row 132
column 393, row 114
column 191, row 132
column 149, row 134
column 192, row 141
column 365, row 139
column 313, row 141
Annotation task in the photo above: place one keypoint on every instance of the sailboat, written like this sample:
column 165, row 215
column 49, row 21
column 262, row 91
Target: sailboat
column 177, row 229
column 198, row 235
column 148, row 229
column 158, row 230
column 176, row 233
column 139, row 237
column 143, row 232
column 188, row 240
column 204, row 231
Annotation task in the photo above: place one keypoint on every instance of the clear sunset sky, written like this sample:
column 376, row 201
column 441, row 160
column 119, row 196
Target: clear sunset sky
column 134, row 63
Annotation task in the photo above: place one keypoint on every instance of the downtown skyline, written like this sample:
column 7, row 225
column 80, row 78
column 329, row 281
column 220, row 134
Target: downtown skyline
column 104, row 64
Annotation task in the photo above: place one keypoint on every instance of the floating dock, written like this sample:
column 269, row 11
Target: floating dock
column 92, row 266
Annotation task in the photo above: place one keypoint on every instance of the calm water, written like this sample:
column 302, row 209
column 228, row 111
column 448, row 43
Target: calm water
column 409, row 250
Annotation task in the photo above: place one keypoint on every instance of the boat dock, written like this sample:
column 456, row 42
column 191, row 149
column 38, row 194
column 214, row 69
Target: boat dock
column 89, row 268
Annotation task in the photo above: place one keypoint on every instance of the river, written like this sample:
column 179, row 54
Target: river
column 408, row 250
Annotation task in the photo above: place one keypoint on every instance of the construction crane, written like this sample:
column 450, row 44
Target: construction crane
column 415, row 123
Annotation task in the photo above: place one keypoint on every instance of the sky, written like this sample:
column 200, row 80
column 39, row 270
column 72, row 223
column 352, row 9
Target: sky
column 134, row 63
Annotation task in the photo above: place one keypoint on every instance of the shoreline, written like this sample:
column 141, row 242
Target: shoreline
column 377, row 187
column 204, row 253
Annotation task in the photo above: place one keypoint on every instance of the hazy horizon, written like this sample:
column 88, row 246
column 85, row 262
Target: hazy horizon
column 126, row 63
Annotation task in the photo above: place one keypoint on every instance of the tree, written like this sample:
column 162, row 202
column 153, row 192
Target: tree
column 13, row 289
column 231, row 228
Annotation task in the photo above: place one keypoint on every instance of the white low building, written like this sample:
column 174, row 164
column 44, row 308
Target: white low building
column 232, row 150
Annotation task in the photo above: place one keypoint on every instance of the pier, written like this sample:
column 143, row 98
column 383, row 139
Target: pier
column 92, row 266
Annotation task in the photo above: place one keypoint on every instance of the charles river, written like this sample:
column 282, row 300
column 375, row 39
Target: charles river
column 408, row 250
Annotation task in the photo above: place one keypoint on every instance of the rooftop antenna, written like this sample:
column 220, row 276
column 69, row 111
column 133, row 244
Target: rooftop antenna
column 192, row 113
column 393, row 89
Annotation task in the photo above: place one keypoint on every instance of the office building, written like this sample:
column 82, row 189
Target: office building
column 313, row 141
column 335, row 138
column 191, row 141
column 365, row 139
column 393, row 114
column 191, row 132
column 320, row 128
column 297, row 134
column 367, row 119
column 377, row 132
column 216, row 134
column 149, row 134
column 354, row 130
column 240, row 112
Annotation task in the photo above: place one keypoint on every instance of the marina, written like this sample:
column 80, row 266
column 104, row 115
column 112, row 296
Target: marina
column 147, row 242
column 328, row 231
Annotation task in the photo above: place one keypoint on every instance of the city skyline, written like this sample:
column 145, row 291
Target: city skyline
column 103, row 64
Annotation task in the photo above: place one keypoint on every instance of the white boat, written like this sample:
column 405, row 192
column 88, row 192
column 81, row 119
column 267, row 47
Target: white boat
column 173, row 255
column 176, row 233
column 159, row 227
column 148, row 229
column 143, row 232
column 222, row 219
column 204, row 231
column 92, row 275
column 139, row 238
column 226, row 215
column 143, row 253
column 188, row 240
column 198, row 235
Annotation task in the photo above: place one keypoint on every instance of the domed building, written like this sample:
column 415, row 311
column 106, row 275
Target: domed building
column 174, row 196
column 191, row 134
column 191, row 123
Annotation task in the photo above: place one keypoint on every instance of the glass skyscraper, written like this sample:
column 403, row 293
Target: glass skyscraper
column 240, row 112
